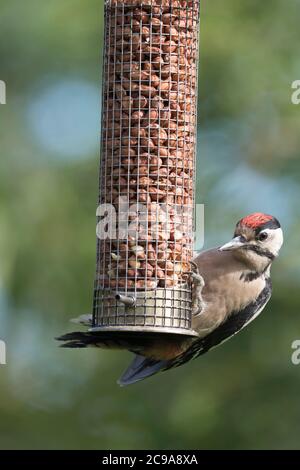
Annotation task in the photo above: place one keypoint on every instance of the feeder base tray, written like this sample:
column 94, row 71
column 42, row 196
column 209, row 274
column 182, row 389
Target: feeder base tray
column 156, row 311
column 145, row 330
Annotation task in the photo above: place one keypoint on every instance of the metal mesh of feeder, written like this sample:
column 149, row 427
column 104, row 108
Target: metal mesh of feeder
column 148, row 146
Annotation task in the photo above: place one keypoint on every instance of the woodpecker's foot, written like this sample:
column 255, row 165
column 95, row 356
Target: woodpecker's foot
column 198, row 284
column 196, row 276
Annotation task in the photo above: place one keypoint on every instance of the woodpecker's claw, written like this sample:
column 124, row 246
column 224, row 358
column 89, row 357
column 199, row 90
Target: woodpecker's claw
column 198, row 284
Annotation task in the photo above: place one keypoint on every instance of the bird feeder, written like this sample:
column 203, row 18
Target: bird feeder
column 147, row 171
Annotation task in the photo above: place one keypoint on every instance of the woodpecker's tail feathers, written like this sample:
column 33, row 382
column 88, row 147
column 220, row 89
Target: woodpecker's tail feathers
column 78, row 339
column 108, row 340
column 140, row 369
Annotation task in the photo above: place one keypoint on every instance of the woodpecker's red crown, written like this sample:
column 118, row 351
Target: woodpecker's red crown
column 257, row 222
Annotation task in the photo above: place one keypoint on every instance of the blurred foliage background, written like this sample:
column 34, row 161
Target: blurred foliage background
column 242, row 395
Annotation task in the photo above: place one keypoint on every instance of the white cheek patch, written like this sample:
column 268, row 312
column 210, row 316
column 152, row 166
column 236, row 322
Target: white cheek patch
column 274, row 241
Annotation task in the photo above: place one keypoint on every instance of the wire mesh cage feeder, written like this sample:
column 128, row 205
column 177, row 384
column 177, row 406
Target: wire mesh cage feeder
column 147, row 171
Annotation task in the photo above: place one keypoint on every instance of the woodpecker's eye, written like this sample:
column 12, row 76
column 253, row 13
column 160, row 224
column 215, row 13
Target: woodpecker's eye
column 262, row 236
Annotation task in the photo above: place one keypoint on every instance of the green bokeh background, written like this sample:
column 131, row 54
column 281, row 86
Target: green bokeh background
column 242, row 395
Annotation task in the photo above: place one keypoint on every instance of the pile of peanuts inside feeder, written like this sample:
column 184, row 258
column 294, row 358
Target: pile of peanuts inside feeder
column 148, row 142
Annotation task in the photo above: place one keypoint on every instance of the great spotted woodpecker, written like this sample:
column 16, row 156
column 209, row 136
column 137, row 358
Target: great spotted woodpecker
column 231, row 287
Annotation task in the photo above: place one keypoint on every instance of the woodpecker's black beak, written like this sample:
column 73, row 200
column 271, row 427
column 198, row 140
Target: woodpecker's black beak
column 234, row 244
